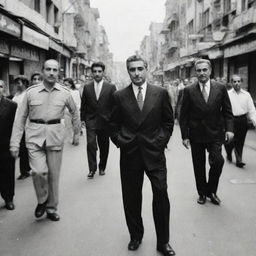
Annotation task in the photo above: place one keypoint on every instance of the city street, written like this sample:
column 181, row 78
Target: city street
column 92, row 218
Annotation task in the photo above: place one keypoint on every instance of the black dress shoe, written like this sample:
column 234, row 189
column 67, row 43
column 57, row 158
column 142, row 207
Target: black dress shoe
column 90, row 175
column 53, row 216
column 9, row 205
column 214, row 198
column 240, row 164
column 101, row 172
column 40, row 210
column 134, row 244
column 165, row 249
column 201, row 199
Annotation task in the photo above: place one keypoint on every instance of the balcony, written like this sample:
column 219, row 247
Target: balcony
column 245, row 18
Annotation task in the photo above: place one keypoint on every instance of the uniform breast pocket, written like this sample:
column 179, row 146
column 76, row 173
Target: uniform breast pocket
column 35, row 104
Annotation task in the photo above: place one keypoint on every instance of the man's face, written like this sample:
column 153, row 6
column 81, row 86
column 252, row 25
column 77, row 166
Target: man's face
column 137, row 72
column 51, row 71
column 1, row 89
column 36, row 80
column 97, row 73
column 203, row 72
column 236, row 82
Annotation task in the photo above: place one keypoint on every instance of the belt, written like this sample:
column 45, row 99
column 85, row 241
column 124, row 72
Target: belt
column 241, row 116
column 41, row 121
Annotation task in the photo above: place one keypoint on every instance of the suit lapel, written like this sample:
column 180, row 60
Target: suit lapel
column 149, row 100
column 132, row 105
column 92, row 91
column 103, row 89
column 197, row 94
column 213, row 92
column 2, row 106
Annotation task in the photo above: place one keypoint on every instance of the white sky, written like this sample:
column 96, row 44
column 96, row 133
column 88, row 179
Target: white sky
column 127, row 22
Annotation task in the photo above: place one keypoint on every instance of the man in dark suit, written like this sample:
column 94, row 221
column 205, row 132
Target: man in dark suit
column 206, row 120
column 7, row 162
column 141, row 125
column 96, row 107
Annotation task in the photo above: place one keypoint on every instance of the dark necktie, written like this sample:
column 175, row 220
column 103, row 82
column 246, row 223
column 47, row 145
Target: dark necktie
column 204, row 93
column 140, row 97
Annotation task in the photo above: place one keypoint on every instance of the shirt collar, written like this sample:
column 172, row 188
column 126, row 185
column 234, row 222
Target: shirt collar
column 56, row 86
column 100, row 83
column 241, row 91
column 207, row 84
column 144, row 86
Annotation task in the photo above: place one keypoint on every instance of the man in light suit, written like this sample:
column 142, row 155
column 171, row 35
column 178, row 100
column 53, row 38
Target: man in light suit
column 96, row 107
column 43, row 105
column 7, row 162
column 141, row 125
column 206, row 120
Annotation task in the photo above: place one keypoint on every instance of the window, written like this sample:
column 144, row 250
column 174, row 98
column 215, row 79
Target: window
column 48, row 8
column 191, row 27
column 37, row 5
column 243, row 5
column 251, row 3
column 206, row 18
column 227, row 6
column 56, row 20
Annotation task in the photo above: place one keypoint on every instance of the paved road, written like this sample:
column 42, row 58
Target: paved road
column 92, row 220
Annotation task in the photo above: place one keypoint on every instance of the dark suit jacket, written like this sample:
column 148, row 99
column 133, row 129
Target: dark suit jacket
column 148, row 130
column 96, row 113
column 7, row 115
column 205, row 122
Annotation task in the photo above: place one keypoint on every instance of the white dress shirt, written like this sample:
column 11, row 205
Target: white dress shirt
column 143, row 91
column 97, row 88
column 242, row 104
column 207, row 87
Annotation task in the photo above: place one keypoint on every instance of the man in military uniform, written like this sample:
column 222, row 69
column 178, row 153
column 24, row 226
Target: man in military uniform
column 43, row 105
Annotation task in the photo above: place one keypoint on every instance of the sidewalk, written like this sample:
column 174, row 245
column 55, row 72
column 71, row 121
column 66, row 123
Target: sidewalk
column 250, row 140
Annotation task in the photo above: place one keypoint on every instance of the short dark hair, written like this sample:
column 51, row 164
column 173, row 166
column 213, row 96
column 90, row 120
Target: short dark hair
column 36, row 73
column 70, row 80
column 136, row 58
column 98, row 64
column 23, row 79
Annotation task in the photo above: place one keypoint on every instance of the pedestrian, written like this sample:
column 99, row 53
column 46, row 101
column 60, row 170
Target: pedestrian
column 96, row 107
column 43, row 105
column 22, row 83
column 7, row 162
column 69, row 83
column 243, row 109
column 141, row 129
column 36, row 78
column 205, row 113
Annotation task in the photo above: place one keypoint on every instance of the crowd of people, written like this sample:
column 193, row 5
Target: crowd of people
column 139, row 120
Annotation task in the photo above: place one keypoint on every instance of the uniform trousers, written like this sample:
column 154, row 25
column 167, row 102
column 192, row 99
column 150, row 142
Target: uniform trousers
column 97, row 138
column 132, row 182
column 240, row 131
column 216, row 162
column 7, row 177
column 45, row 164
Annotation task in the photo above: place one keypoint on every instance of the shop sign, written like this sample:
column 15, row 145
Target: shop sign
column 4, row 48
column 9, row 26
column 37, row 39
column 24, row 52
column 239, row 49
